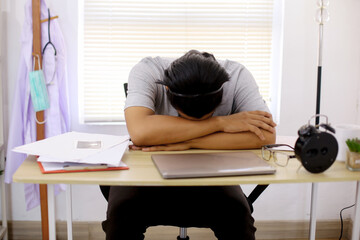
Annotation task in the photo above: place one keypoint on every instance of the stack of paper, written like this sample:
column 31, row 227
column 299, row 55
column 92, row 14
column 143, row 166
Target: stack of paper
column 75, row 151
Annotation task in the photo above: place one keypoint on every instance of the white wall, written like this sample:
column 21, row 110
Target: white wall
column 340, row 101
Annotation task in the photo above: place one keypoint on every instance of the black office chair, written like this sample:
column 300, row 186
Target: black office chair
column 125, row 89
column 256, row 192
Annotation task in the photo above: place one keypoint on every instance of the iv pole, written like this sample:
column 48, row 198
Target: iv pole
column 322, row 16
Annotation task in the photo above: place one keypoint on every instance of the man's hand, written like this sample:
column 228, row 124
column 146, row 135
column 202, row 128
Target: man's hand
column 248, row 121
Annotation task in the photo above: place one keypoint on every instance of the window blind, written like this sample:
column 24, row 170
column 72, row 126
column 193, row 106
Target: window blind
column 117, row 34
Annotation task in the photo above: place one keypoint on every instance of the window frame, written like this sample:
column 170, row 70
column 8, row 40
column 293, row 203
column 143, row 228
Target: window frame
column 275, row 78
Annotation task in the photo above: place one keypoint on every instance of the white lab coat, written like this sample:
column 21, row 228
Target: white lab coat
column 23, row 124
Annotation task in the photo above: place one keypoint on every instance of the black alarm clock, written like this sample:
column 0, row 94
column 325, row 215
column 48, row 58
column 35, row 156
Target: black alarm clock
column 316, row 149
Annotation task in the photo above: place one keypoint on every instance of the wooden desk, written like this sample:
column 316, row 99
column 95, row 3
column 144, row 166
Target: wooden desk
column 143, row 173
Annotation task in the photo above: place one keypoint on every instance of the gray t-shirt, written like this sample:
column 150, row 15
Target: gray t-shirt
column 241, row 93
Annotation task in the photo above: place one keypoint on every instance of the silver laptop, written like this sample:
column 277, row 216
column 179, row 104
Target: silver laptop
column 190, row 165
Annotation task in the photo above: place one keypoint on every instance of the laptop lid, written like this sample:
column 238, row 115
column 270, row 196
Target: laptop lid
column 190, row 165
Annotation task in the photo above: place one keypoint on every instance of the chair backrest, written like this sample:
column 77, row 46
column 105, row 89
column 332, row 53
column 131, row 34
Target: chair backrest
column 125, row 89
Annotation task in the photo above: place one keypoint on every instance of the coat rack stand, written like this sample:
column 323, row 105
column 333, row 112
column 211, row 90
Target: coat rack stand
column 40, row 128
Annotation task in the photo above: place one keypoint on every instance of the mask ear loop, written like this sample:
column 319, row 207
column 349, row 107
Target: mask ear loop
column 38, row 58
column 38, row 122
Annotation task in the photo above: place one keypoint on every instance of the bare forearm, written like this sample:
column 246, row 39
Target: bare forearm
column 244, row 140
column 148, row 129
column 221, row 140
column 160, row 129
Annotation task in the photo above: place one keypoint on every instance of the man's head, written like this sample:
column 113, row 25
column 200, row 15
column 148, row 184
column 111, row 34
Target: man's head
column 194, row 84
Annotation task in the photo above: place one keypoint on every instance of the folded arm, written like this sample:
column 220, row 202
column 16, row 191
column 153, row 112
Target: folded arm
column 218, row 141
column 249, row 128
column 146, row 128
column 244, row 140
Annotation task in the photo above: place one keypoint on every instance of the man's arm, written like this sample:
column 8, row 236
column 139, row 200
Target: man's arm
column 148, row 129
column 221, row 140
column 244, row 140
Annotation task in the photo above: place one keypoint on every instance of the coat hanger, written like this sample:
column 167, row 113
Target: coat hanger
column 49, row 41
column 52, row 18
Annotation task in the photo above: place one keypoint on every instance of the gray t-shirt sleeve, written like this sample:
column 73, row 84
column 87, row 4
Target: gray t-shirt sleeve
column 142, row 89
column 242, row 91
column 246, row 95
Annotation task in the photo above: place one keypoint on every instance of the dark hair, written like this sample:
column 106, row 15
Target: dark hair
column 195, row 83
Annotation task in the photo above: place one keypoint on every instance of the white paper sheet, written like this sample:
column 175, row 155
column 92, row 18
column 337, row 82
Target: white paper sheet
column 111, row 157
column 63, row 148
column 51, row 166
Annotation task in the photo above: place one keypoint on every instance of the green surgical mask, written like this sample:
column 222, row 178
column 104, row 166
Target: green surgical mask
column 38, row 90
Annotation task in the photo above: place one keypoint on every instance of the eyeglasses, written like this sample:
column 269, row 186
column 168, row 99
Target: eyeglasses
column 281, row 157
